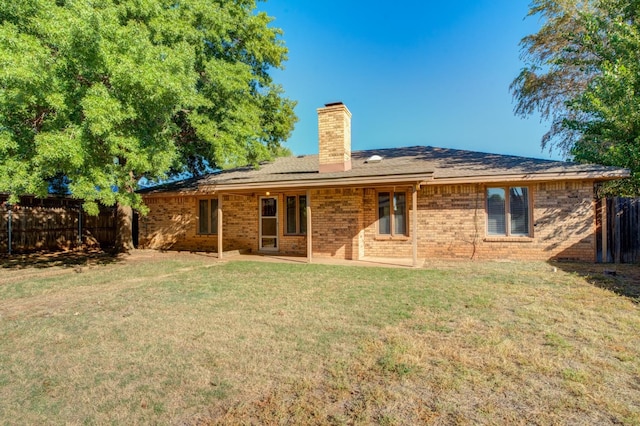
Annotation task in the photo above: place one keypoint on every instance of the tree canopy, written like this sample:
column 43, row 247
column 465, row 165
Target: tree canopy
column 583, row 74
column 101, row 93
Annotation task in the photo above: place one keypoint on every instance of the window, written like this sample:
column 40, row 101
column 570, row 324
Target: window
column 392, row 213
column 296, row 209
column 508, row 211
column 208, row 216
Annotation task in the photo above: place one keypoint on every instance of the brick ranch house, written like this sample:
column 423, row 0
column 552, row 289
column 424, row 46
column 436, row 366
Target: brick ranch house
column 418, row 202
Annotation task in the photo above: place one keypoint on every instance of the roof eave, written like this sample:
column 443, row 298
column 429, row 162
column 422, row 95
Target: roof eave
column 425, row 178
column 334, row 182
column 533, row 177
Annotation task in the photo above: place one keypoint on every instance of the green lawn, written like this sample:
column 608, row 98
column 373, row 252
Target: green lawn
column 183, row 340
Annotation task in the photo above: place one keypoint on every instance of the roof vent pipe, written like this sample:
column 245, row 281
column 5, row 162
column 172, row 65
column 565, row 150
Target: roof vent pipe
column 373, row 159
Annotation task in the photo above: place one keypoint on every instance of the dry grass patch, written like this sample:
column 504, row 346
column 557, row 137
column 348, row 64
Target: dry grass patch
column 188, row 340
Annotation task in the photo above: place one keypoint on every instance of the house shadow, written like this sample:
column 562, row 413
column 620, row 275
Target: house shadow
column 620, row 278
column 65, row 259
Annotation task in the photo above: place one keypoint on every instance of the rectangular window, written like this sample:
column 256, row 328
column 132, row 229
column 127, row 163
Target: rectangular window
column 384, row 213
column 519, row 210
column 399, row 213
column 302, row 213
column 392, row 213
column 496, row 211
column 208, row 216
column 291, row 215
column 296, row 211
column 508, row 211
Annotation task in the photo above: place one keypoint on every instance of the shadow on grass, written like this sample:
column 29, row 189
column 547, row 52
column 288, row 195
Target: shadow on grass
column 622, row 279
column 60, row 259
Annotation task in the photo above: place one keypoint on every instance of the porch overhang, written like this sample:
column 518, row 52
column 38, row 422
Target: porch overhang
column 305, row 184
column 530, row 177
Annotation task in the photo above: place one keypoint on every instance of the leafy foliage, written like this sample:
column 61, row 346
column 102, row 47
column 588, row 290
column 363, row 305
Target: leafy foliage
column 583, row 74
column 109, row 91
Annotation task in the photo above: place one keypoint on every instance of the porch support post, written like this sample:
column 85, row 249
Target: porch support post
column 220, row 248
column 414, row 223
column 309, row 229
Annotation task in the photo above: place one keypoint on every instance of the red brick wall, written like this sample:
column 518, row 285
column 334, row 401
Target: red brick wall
column 240, row 223
column 451, row 221
column 169, row 222
column 451, row 224
column 565, row 220
column 172, row 224
column 289, row 244
column 381, row 245
column 337, row 222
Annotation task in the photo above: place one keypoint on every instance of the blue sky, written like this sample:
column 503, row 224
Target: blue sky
column 412, row 73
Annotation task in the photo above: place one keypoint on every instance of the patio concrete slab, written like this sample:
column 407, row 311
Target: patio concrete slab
column 368, row 261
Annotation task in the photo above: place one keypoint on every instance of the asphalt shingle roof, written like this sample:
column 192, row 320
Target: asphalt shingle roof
column 439, row 163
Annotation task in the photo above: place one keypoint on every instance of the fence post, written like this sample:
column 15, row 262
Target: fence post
column 604, row 226
column 618, row 243
column 635, row 227
column 80, row 226
column 9, row 227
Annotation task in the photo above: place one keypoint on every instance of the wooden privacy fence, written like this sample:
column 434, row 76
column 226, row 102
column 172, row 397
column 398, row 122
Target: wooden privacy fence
column 53, row 224
column 618, row 230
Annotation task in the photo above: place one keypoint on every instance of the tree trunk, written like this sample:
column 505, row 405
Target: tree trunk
column 124, row 233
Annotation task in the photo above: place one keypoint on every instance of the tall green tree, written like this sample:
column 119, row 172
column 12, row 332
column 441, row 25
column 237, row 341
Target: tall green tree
column 583, row 74
column 101, row 93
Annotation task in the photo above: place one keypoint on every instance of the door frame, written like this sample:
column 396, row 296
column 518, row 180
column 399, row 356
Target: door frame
column 260, row 218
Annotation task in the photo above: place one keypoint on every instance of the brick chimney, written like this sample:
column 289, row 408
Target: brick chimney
column 334, row 138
